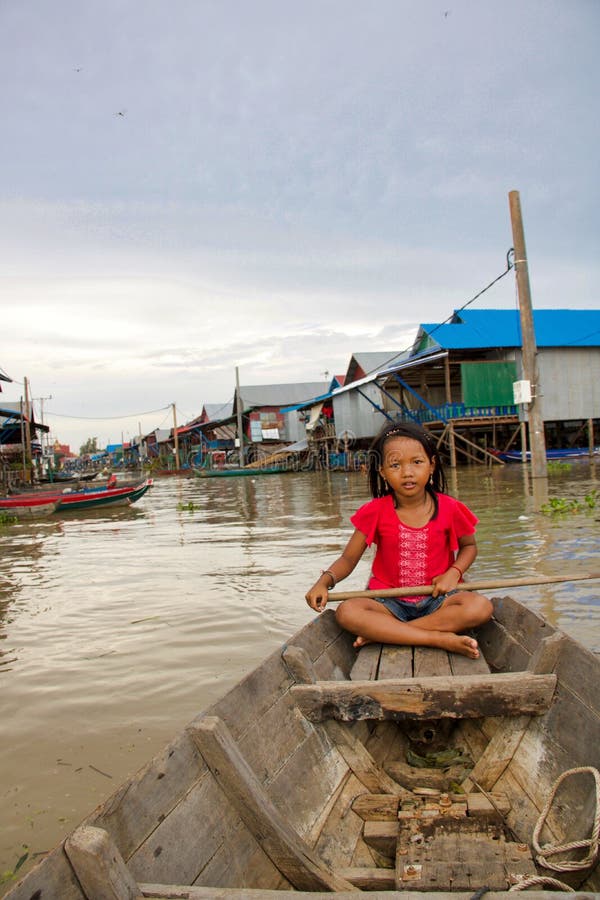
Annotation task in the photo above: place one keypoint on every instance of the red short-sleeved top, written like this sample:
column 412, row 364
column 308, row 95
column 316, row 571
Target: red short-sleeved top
column 405, row 555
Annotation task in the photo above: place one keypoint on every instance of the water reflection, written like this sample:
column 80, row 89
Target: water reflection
column 117, row 626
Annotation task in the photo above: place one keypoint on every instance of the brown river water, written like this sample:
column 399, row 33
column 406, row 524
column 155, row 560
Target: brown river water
column 118, row 627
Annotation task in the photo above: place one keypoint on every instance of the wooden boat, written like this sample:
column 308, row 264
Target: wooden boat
column 119, row 495
column 552, row 455
column 68, row 477
column 308, row 777
column 27, row 506
column 236, row 472
column 60, row 499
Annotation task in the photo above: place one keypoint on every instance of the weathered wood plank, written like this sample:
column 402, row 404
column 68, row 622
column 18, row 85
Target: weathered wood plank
column 328, row 645
column 300, row 665
column 386, row 742
column 369, row 879
column 133, row 812
column 578, row 670
column 368, row 772
column 201, row 827
column 382, row 837
column 526, row 626
column 338, row 838
column 367, row 663
column 316, row 765
column 185, row 892
column 430, row 661
column 242, row 861
column 395, row 662
column 412, row 777
column 99, row 866
column 377, row 807
column 288, row 851
column 462, row 861
column 53, row 877
column 502, row 652
column 501, row 748
column 429, row 698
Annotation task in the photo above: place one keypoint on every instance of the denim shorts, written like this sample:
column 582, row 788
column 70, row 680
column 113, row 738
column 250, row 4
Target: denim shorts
column 408, row 612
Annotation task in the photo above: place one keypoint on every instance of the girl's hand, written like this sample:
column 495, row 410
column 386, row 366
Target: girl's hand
column 317, row 597
column 448, row 581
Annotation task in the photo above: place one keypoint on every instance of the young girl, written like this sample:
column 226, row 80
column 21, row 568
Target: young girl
column 423, row 536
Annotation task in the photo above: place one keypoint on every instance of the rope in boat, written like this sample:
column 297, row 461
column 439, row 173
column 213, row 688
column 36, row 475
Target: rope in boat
column 547, row 850
column 590, row 843
column 541, row 879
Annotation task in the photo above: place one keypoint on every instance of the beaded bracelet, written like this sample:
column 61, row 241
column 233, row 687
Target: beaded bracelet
column 331, row 575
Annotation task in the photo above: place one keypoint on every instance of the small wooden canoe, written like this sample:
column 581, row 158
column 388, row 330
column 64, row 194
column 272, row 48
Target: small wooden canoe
column 389, row 770
column 60, row 499
column 237, row 473
column 28, row 506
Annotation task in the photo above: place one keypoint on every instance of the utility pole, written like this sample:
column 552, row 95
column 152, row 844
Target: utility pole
column 29, row 458
column 239, row 411
column 537, row 440
column 175, row 437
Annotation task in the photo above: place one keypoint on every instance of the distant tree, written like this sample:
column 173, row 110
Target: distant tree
column 90, row 446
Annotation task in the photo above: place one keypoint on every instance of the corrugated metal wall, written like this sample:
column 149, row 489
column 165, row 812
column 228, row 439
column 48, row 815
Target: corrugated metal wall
column 356, row 415
column 570, row 382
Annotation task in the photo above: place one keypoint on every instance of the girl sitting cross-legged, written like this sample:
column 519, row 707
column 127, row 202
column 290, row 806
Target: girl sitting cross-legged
column 423, row 536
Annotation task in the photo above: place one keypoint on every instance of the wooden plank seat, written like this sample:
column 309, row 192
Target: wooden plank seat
column 430, row 697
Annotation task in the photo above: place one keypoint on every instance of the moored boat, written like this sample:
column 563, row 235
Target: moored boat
column 60, row 499
column 27, row 506
column 237, row 472
column 387, row 769
column 552, row 455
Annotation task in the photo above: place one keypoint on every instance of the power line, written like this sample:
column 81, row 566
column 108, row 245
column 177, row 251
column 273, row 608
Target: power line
column 509, row 266
column 149, row 412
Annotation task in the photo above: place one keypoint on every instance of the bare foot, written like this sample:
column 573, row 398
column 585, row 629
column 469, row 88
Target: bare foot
column 361, row 642
column 461, row 643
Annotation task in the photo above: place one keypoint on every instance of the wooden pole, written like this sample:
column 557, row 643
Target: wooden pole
column 23, row 454
column 175, row 437
column 239, row 411
column 535, row 421
column 523, row 442
column 590, row 431
column 451, row 439
column 423, row 590
column 29, row 462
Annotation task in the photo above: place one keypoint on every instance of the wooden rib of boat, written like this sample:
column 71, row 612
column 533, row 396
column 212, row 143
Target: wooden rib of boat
column 308, row 776
column 60, row 499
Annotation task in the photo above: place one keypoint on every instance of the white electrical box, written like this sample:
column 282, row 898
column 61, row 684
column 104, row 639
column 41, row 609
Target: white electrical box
column 522, row 391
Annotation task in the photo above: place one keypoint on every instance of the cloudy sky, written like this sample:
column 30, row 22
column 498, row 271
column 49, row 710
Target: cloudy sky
column 188, row 186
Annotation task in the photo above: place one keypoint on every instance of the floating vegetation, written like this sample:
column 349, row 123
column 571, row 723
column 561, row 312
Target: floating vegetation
column 9, row 874
column 6, row 518
column 558, row 506
column 557, row 466
column 188, row 507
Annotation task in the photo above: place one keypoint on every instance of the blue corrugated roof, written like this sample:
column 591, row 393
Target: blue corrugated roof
column 475, row 329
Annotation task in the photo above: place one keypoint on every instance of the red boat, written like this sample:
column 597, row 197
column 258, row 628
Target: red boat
column 60, row 499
